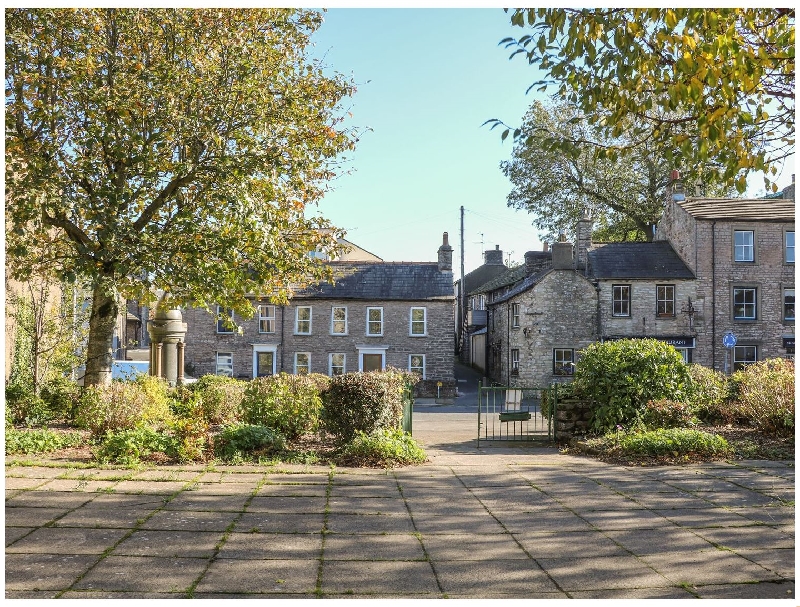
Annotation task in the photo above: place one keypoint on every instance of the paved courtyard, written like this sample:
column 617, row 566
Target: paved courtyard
column 495, row 521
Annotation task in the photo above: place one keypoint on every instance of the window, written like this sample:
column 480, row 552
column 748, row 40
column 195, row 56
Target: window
column 788, row 251
column 416, row 364
column 744, row 303
column 264, row 360
column 336, row 364
column 563, row 361
column 515, row 315
column 743, row 249
column 224, row 320
column 743, row 356
column 665, row 300
column 788, row 304
column 514, row 362
column 621, row 300
column 224, row 364
column 418, row 320
column 374, row 321
column 338, row 320
column 477, row 302
column 302, row 363
column 302, row 320
column 266, row 319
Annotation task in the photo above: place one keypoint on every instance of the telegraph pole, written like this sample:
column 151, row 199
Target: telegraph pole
column 462, row 291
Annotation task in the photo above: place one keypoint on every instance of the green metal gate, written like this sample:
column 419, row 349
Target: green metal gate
column 516, row 412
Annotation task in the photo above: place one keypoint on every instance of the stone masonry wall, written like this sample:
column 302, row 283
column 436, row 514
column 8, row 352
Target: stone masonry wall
column 571, row 420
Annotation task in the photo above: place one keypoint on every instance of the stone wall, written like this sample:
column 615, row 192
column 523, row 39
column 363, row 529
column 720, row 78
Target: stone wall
column 571, row 420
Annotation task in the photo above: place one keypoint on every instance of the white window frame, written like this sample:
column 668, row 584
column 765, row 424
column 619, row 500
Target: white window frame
column 298, row 320
column 788, row 249
column 222, row 329
column 265, row 319
column 369, row 309
column 739, row 363
column 515, row 361
column 411, row 322
column 744, row 252
column 362, row 350
column 561, row 366
column 265, row 348
column 621, row 300
column 297, row 365
column 422, row 370
column 667, row 301
column 221, row 364
column 331, row 366
column 515, row 314
column 746, row 304
column 334, row 320
column 788, row 291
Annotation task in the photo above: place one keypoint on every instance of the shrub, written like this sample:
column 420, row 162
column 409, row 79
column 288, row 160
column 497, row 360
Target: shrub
column 130, row 446
column 61, row 396
column 123, row 405
column 190, row 439
column 665, row 413
column 25, row 407
column 384, row 448
column 40, row 441
column 708, row 394
column 620, row 377
column 239, row 441
column 365, row 402
column 287, row 403
column 674, row 441
column 765, row 395
column 220, row 398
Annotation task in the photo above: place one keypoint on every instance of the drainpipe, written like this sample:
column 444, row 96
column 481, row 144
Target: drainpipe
column 508, row 344
column 713, row 294
column 283, row 323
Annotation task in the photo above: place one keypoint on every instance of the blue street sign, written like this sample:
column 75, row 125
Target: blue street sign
column 729, row 340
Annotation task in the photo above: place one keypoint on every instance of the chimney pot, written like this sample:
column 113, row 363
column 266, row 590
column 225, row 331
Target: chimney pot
column 445, row 255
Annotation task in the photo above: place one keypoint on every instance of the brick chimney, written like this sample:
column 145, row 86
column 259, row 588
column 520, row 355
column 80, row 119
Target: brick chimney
column 562, row 254
column 445, row 255
column 493, row 257
column 675, row 191
column 583, row 240
column 536, row 261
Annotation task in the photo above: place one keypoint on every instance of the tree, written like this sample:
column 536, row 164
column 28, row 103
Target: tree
column 704, row 85
column 168, row 149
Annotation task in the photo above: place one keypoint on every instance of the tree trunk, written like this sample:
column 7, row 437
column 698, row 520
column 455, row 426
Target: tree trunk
column 99, row 350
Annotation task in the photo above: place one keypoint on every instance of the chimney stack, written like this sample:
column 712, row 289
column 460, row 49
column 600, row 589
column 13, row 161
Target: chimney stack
column 445, row 255
column 493, row 257
column 562, row 254
column 583, row 240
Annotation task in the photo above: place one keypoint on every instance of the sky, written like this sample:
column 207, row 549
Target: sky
column 427, row 80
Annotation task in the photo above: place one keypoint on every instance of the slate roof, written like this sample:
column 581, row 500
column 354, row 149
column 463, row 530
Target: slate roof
column 482, row 274
column 749, row 209
column 509, row 277
column 403, row 281
column 642, row 260
column 526, row 284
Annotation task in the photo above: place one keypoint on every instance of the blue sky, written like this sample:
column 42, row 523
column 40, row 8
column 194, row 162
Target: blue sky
column 427, row 80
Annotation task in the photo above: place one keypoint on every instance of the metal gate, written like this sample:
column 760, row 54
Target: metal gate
column 516, row 412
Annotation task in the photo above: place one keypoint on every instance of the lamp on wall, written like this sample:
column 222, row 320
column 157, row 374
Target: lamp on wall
column 689, row 310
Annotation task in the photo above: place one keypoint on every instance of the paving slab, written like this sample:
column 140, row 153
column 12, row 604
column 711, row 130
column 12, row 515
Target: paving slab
column 59, row 540
column 271, row 546
column 158, row 542
column 261, row 576
column 399, row 578
column 279, row 522
column 506, row 576
column 369, row 547
column 45, row 571
column 142, row 574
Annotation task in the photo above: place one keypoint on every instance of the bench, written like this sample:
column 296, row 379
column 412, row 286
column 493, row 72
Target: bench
column 513, row 411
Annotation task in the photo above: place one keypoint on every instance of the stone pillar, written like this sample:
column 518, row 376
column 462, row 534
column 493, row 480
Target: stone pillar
column 167, row 332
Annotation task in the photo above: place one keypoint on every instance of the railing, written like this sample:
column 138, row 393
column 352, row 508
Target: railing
column 516, row 412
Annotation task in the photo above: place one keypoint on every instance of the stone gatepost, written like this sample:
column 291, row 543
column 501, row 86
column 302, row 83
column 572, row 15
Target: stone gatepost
column 167, row 332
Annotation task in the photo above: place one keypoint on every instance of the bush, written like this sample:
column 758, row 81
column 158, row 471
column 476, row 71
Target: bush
column 674, row 441
column 287, row 403
column 708, row 394
column 131, row 445
column 385, row 448
column 40, row 441
column 123, row 405
column 220, row 398
column 665, row 413
column 765, row 395
column 190, row 439
column 240, row 441
column 365, row 402
column 24, row 407
column 620, row 377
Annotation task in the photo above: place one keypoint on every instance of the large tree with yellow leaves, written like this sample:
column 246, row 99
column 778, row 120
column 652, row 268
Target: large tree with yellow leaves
column 169, row 149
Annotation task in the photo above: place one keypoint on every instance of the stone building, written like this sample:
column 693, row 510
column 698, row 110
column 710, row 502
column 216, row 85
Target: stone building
column 375, row 314
column 742, row 254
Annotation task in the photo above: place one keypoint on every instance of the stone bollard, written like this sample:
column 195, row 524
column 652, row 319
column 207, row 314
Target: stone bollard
column 167, row 331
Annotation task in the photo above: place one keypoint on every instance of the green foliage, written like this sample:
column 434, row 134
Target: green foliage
column 665, row 413
column 701, row 85
column 142, row 137
column 385, row 448
column 40, row 440
column 620, row 377
column 220, row 398
column 765, row 395
column 123, row 405
column 239, row 442
column 287, row 403
column 674, row 441
column 129, row 446
column 25, row 407
column 709, row 394
column 61, row 395
column 191, row 439
column 365, row 402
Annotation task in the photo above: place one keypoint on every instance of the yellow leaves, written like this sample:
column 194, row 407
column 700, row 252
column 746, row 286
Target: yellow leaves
column 670, row 19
